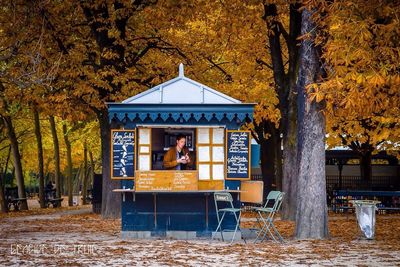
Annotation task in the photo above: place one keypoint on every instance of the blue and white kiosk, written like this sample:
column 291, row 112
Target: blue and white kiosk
column 175, row 203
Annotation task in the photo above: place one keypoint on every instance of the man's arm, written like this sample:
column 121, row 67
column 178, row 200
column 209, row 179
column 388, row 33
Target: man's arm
column 170, row 159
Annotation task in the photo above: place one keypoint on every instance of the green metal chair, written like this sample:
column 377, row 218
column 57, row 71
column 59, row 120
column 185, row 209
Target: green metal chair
column 266, row 214
column 226, row 198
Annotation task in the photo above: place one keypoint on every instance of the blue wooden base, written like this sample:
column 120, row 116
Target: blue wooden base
column 162, row 213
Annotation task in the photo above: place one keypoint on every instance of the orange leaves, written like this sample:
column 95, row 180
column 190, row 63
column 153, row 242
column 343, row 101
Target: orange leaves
column 363, row 80
column 315, row 93
column 376, row 80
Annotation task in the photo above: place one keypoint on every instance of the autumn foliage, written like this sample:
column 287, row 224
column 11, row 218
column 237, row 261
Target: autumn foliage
column 67, row 59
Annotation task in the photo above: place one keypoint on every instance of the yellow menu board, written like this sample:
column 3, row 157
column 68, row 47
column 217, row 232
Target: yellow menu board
column 166, row 181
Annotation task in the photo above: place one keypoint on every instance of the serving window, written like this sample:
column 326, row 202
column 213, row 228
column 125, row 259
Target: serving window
column 153, row 143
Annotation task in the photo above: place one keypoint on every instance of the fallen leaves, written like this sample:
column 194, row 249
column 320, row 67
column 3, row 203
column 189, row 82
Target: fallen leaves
column 345, row 246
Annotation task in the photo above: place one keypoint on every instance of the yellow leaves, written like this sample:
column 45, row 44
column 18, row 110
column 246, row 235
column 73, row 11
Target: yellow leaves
column 376, row 80
column 317, row 96
column 363, row 82
column 335, row 26
column 383, row 134
column 360, row 79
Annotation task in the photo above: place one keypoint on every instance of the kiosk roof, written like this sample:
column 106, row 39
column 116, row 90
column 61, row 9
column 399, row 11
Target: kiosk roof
column 181, row 90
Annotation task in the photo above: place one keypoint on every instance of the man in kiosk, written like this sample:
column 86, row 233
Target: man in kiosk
column 178, row 157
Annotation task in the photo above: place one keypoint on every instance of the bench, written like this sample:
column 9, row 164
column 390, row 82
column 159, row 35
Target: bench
column 89, row 197
column 55, row 202
column 51, row 199
column 12, row 199
column 342, row 197
column 15, row 202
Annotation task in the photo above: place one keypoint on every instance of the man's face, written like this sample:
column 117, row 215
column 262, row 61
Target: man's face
column 181, row 143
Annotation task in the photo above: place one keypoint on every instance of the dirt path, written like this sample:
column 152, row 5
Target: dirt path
column 79, row 238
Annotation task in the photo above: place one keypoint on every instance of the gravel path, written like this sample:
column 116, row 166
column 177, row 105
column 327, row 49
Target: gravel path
column 79, row 238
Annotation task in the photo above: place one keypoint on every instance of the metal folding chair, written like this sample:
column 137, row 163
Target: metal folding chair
column 226, row 198
column 266, row 214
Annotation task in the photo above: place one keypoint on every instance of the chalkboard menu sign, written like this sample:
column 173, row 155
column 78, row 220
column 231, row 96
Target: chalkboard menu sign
column 122, row 154
column 238, row 155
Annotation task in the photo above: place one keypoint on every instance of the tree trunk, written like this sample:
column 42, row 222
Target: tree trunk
column 69, row 165
column 77, row 177
column 289, row 184
column 290, row 168
column 38, row 135
column 17, row 160
column 312, row 212
column 3, row 205
column 91, row 173
column 269, row 154
column 285, row 80
column 111, row 202
column 57, row 177
column 267, row 164
column 278, row 163
column 85, row 174
column 366, row 165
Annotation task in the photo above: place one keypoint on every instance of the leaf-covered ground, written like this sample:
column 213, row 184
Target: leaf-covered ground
column 76, row 237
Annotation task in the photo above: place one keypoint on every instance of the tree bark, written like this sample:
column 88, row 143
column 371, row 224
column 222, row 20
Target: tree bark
column 85, row 174
column 78, row 176
column 312, row 212
column 3, row 204
column 278, row 163
column 289, row 183
column 91, row 173
column 17, row 160
column 285, row 86
column 269, row 154
column 38, row 135
column 69, row 165
column 366, row 165
column 267, row 164
column 290, row 168
column 56, row 146
column 111, row 202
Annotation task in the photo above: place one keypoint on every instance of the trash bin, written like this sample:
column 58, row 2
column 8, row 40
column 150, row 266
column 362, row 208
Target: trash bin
column 365, row 213
column 75, row 199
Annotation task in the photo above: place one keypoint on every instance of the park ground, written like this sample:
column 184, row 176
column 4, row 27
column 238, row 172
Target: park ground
column 73, row 236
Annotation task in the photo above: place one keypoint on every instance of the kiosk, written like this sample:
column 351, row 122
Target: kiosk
column 178, row 203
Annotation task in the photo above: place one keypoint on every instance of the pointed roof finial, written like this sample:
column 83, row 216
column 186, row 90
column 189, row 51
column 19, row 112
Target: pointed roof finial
column 181, row 72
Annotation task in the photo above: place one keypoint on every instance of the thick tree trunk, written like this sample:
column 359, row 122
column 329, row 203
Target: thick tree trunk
column 85, row 174
column 111, row 202
column 285, row 80
column 366, row 165
column 312, row 213
column 69, row 165
column 56, row 146
column 38, row 135
column 17, row 160
column 290, row 167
